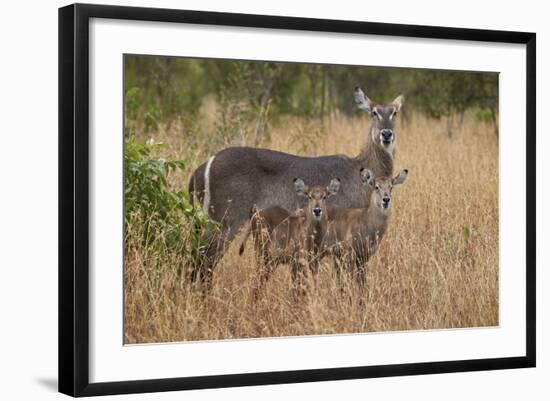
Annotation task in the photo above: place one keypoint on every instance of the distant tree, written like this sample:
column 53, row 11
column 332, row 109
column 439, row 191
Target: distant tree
column 174, row 88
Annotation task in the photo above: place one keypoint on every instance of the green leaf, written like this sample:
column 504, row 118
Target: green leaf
column 466, row 233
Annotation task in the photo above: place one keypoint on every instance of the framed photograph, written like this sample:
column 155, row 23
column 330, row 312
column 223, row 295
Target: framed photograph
column 250, row 199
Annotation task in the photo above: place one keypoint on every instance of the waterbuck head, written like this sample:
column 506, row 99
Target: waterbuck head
column 382, row 188
column 383, row 119
column 316, row 197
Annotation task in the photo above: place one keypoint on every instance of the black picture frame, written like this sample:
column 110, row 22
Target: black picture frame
column 74, row 199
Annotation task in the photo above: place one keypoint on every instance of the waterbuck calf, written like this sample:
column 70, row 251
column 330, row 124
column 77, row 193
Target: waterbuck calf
column 354, row 234
column 237, row 177
column 280, row 237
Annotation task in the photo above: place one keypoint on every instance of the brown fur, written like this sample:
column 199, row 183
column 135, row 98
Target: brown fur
column 280, row 237
column 354, row 234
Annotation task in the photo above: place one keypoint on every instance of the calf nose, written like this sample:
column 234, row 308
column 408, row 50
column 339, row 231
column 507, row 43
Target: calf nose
column 317, row 211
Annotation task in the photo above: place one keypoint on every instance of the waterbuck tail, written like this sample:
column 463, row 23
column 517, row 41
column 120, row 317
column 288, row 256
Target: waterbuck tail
column 248, row 231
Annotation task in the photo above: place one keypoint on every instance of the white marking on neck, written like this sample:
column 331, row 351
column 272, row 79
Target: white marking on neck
column 206, row 204
column 389, row 148
column 381, row 213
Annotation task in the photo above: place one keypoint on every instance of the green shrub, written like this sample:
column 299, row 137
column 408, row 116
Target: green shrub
column 166, row 218
column 485, row 114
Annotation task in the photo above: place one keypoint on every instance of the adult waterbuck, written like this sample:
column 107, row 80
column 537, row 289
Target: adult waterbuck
column 280, row 237
column 236, row 178
column 354, row 234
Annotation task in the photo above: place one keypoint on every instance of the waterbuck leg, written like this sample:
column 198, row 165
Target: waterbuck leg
column 347, row 268
column 211, row 254
column 313, row 262
column 361, row 268
column 297, row 280
column 299, row 269
column 339, row 263
column 361, row 271
column 266, row 268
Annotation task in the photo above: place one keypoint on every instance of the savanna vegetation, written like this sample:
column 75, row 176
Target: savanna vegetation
column 437, row 266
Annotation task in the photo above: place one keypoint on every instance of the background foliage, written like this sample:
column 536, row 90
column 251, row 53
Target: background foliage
column 163, row 88
column 164, row 214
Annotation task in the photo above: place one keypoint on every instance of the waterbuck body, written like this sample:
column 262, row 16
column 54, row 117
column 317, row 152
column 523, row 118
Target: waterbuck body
column 238, row 177
column 280, row 237
column 354, row 234
column 277, row 234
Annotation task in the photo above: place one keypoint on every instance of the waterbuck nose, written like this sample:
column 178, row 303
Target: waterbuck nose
column 386, row 134
column 317, row 211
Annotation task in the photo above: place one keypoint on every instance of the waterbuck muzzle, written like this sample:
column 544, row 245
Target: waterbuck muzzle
column 317, row 213
column 386, row 136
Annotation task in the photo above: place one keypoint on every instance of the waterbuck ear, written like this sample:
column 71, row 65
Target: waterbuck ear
column 300, row 187
column 362, row 101
column 333, row 187
column 366, row 176
column 400, row 178
column 398, row 103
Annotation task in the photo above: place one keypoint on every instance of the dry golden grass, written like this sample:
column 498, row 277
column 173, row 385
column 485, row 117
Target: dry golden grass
column 437, row 266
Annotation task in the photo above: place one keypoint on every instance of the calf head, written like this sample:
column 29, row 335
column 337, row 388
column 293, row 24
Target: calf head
column 382, row 187
column 316, row 197
column 383, row 119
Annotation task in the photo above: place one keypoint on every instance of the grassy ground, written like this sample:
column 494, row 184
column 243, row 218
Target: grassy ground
column 437, row 266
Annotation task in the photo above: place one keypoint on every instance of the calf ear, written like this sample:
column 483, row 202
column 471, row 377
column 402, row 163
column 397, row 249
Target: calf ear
column 398, row 103
column 362, row 101
column 400, row 178
column 333, row 187
column 367, row 176
column 300, row 187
